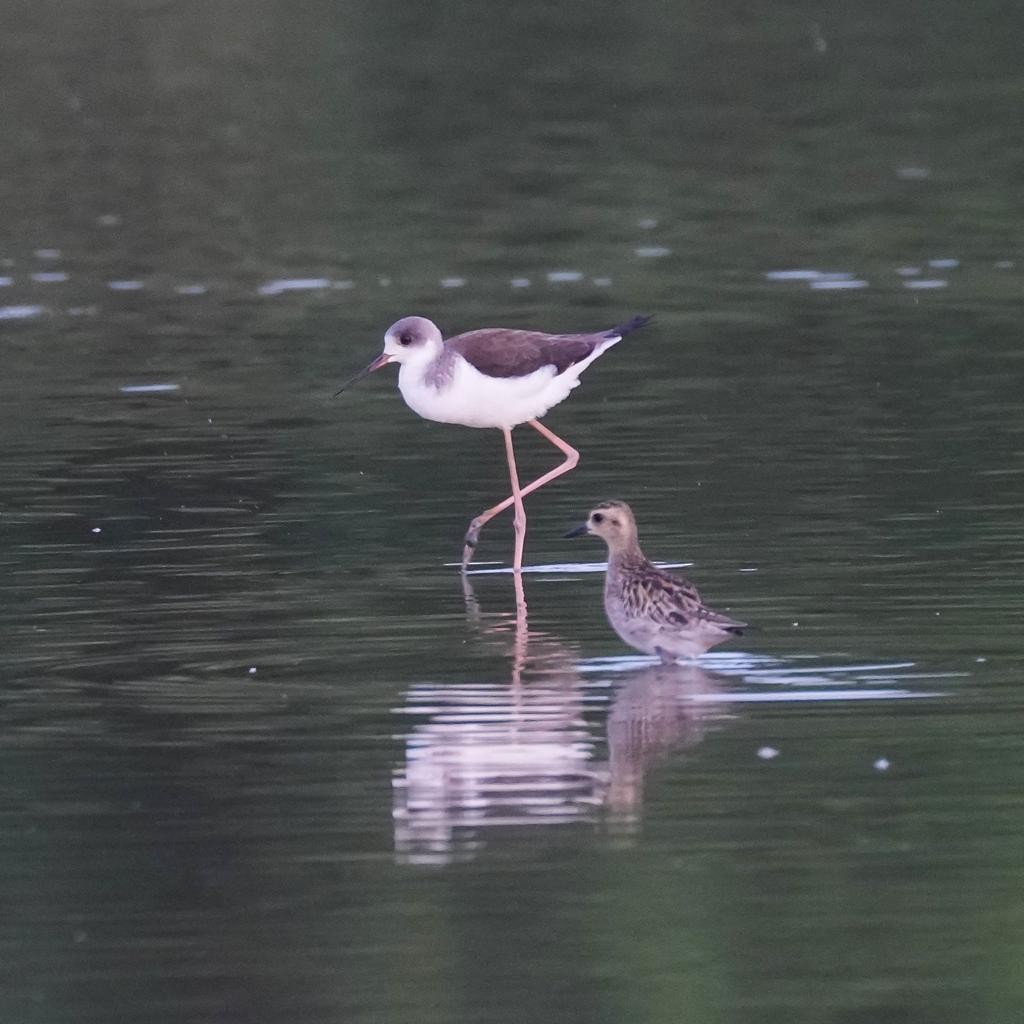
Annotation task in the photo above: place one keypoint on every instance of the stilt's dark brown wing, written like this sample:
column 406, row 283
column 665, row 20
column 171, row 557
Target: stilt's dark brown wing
column 498, row 352
column 501, row 352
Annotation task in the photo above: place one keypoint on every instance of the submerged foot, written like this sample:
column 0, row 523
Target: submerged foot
column 469, row 543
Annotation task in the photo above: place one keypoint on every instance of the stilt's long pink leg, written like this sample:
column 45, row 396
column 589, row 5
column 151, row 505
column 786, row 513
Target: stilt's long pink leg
column 572, row 457
column 519, row 520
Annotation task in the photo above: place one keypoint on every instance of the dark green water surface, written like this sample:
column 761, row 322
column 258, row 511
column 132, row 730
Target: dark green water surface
column 264, row 758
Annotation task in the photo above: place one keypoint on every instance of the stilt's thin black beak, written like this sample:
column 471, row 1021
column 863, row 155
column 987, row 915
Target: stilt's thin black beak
column 578, row 531
column 380, row 361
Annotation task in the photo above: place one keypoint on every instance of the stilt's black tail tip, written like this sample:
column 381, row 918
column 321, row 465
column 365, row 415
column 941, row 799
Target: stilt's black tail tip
column 631, row 325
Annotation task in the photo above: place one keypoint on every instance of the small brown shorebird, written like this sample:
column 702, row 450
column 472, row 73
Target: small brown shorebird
column 494, row 377
column 652, row 610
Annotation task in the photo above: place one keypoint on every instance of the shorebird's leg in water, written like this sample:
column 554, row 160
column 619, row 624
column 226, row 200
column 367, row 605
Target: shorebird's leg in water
column 519, row 519
column 572, row 457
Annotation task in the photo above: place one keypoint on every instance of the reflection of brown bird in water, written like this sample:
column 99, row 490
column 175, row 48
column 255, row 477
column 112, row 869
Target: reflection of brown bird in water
column 652, row 610
column 659, row 709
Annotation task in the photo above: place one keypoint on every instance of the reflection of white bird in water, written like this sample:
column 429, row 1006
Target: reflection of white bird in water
column 486, row 754
column 480, row 756
column 652, row 610
column 494, row 377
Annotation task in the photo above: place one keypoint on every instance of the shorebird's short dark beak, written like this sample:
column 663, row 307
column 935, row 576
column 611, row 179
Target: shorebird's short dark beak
column 578, row 531
column 380, row 361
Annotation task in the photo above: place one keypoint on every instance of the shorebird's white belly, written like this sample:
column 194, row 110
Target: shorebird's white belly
column 473, row 399
column 653, row 637
column 637, row 631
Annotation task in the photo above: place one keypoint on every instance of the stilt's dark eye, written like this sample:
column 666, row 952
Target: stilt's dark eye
column 598, row 518
column 405, row 339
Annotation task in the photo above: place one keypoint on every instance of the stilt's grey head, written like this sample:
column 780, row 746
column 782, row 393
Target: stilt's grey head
column 412, row 338
column 611, row 520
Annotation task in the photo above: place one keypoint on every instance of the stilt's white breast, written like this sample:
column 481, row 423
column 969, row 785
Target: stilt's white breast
column 473, row 399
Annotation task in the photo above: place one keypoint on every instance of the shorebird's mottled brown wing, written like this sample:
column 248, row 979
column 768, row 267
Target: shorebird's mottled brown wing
column 660, row 596
column 499, row 352
column 670, row 600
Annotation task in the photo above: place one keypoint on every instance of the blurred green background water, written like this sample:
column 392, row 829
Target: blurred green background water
column 263, row 758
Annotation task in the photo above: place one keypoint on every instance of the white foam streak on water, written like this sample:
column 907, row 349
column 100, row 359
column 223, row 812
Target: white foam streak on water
column 913, row 173
column 772, row 680
column 806, row 696
column 793, row 275
column 835, row 286
column 838, row 284
column 788, row 671
column 558, row 567
column 20, row 312
column 293, row 284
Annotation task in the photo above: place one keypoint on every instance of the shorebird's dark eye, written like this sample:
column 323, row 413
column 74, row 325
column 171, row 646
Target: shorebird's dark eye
column 405, row 339
column 598, row 518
